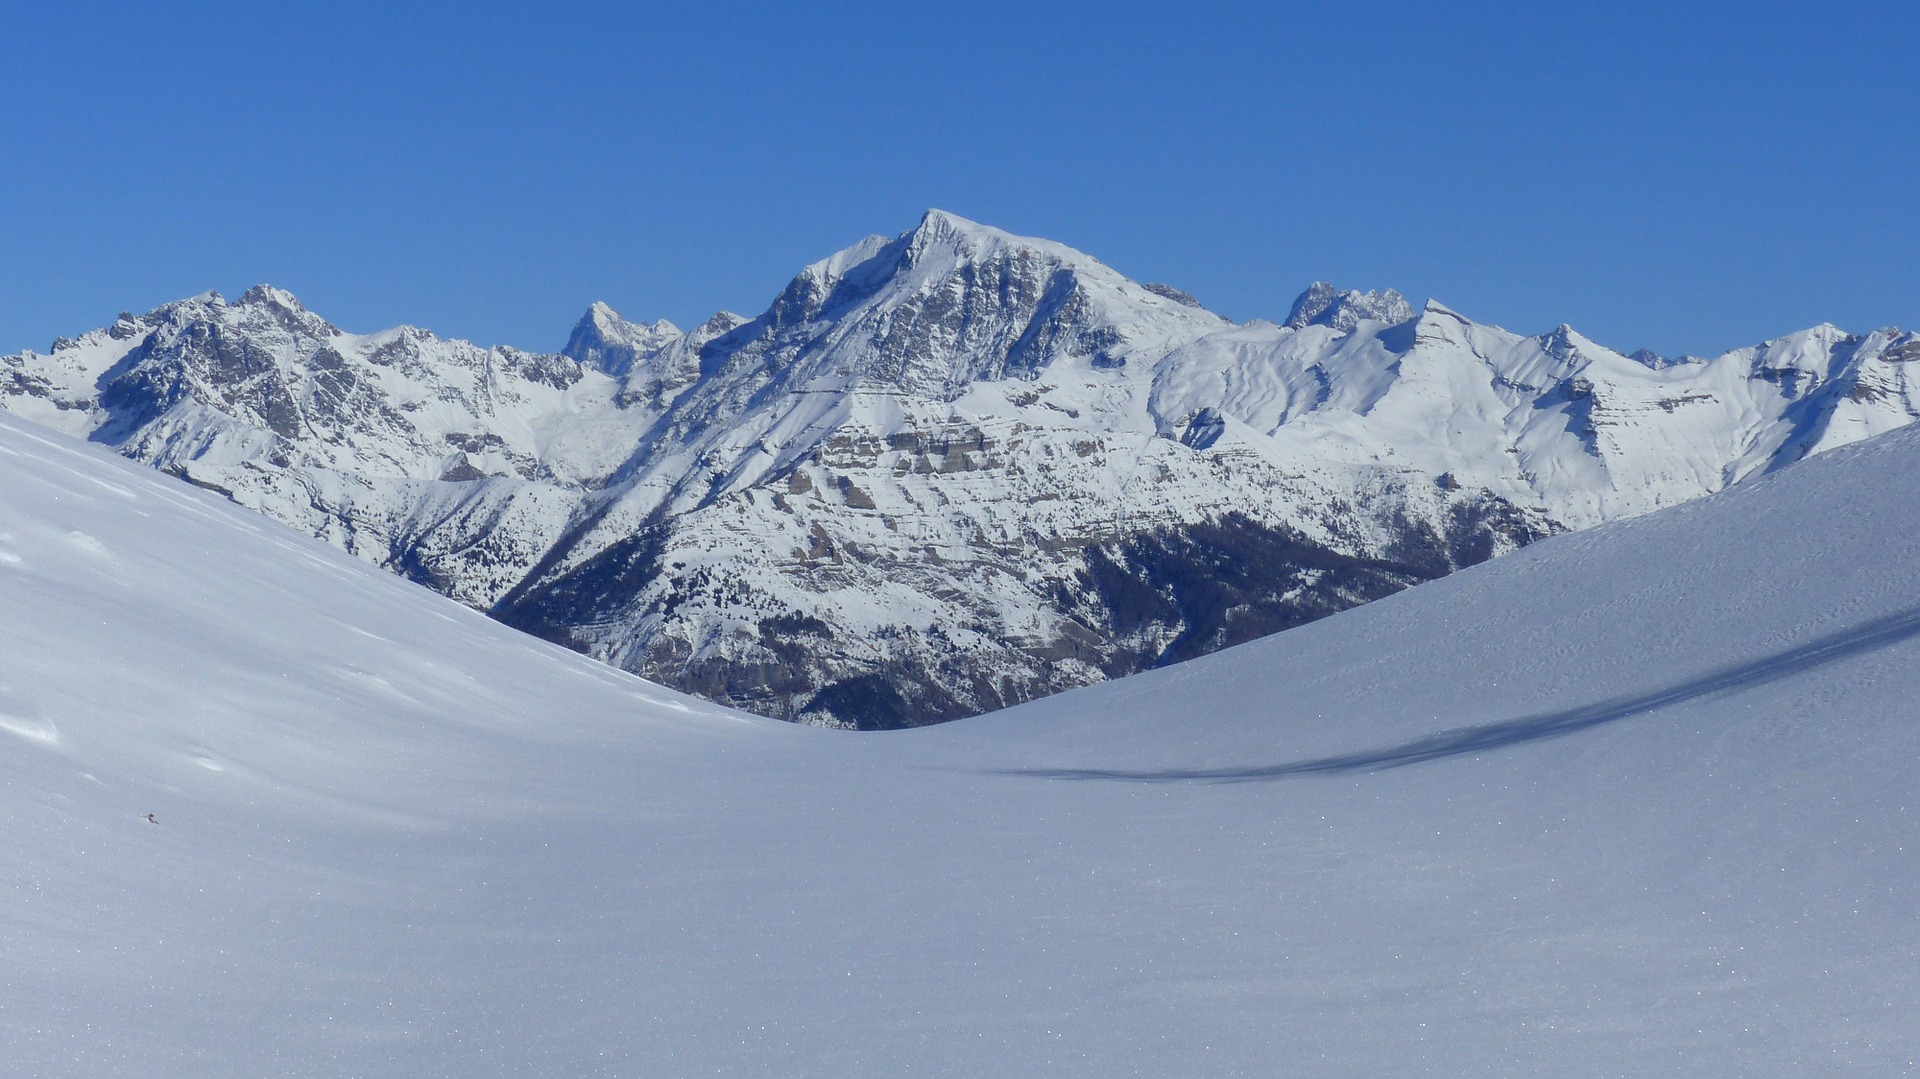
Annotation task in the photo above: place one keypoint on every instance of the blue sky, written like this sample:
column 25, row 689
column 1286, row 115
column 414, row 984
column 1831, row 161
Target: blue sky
column 1678, row 176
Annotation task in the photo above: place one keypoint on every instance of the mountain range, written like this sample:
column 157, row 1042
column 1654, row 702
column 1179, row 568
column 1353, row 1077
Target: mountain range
column 947, row 471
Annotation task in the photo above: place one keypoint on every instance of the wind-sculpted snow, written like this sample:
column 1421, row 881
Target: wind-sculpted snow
column 948, row 471
column 1633, row 801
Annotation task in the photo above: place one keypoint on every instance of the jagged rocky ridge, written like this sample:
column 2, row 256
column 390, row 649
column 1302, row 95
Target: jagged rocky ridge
column 946, row 471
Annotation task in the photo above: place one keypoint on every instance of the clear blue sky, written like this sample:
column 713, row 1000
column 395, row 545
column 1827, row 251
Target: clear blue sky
column 1687, row 177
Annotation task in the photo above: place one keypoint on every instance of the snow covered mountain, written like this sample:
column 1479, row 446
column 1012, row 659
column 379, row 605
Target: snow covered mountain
column 1636, row 801
column 943, row 472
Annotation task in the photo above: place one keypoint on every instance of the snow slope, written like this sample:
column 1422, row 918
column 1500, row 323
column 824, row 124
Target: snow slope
column 1634, row 801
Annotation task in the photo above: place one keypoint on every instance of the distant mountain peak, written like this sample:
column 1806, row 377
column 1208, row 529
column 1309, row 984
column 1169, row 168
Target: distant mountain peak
column 264, row 295
column 260, row 306
column 968, row 241
column 603, row 339
column 1562, row 341
column 936, row 218
column 937, row 223
column 1324, row 305
column 940, row 232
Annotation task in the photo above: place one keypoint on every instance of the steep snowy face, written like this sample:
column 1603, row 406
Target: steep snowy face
column 944, row 471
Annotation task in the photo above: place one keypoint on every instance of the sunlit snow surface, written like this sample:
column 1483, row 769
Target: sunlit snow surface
column 1635, row 801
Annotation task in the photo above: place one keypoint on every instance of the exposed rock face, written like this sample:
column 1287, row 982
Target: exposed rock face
column 1324, row 305
column 946, row 471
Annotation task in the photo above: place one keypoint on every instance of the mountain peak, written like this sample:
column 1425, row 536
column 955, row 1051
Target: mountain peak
column 603, row 317
column 1324, row 305
column 1564, row 342
column 940, row 221
column 603, row 339
column 261, row 305
column 264, row 295
column 968, row 240
column 939, row 229
column 939, row 244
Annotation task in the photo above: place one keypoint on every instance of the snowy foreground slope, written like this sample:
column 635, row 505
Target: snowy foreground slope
column 394, row 838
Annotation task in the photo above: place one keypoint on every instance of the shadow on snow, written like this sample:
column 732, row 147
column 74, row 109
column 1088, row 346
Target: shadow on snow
column 1460, row 741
